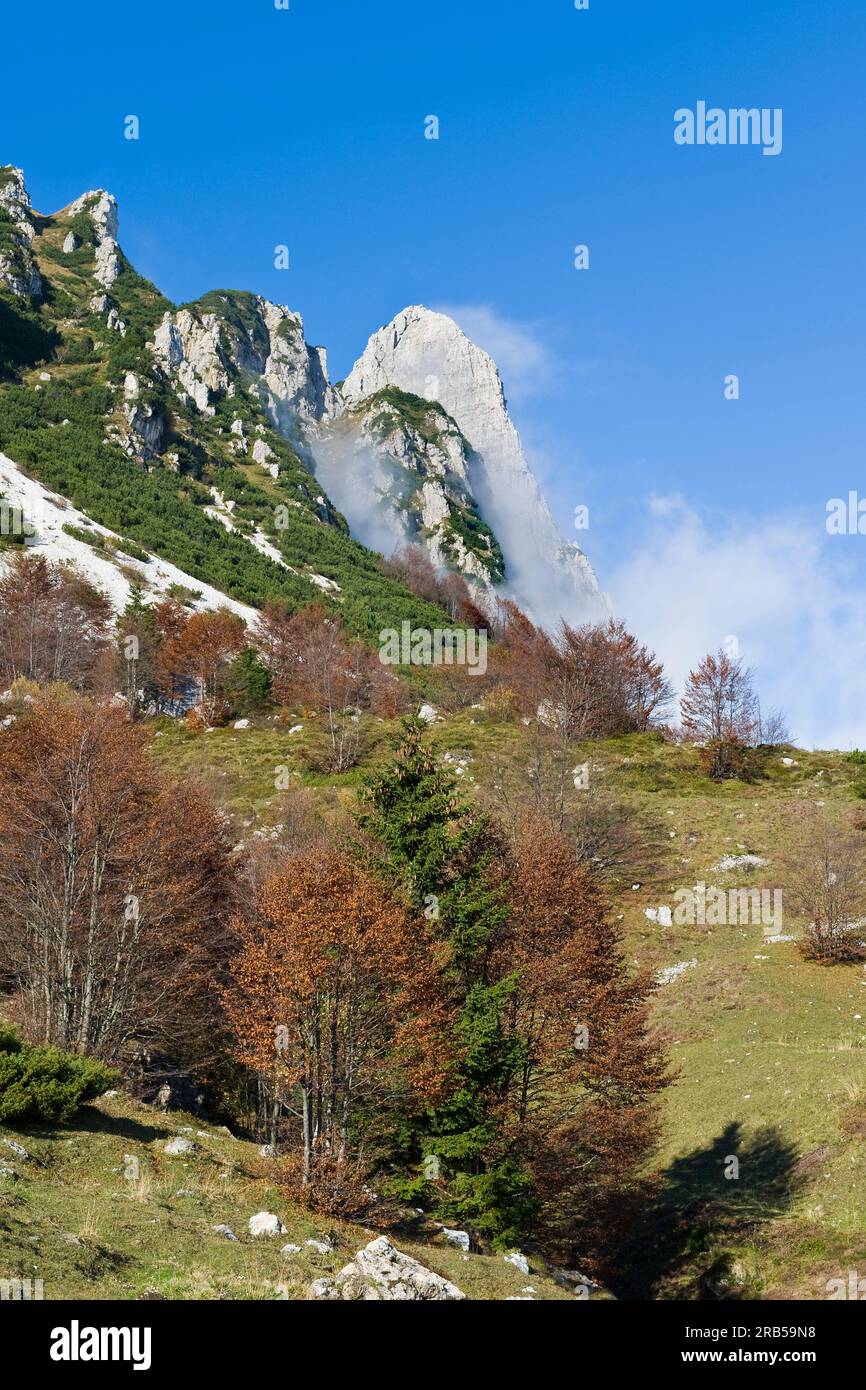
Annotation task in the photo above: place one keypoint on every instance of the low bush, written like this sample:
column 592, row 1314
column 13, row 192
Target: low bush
column 42, row 1083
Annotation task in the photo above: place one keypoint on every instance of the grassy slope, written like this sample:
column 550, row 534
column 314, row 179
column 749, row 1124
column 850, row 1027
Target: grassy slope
column 770, row 1055
column 81, row 1226
column 88, row 1232
column 771, row 1052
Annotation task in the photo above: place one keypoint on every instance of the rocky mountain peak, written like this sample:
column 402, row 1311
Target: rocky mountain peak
column 18, row 271
column 101, row 208
column 13, row 190
column 426, row 353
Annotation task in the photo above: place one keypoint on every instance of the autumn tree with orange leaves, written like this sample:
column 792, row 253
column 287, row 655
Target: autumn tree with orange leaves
column 116, row 882
column 335, row 998
column 587, row 682
column 203, row 650
column 315, row 663
column 720, row 712
column 53, row 624
column 580, row 1108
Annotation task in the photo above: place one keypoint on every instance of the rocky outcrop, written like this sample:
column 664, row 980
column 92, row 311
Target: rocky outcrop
column 381, row 1271
column 146, row 426
column 295, row 374
column 425, row 353
column 188, row 347
column 18, row 271
column 101, row 208
column 205, row 345
column 397, row 467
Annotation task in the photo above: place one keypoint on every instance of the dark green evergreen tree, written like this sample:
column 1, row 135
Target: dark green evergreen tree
column 249, row 683
column 447, row 860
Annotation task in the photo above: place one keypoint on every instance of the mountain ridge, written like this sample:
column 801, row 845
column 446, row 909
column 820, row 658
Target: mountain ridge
column 225, row 392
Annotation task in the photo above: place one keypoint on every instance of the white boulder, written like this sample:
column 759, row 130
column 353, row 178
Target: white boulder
column 264, row 1223
column 519, row 1261
column 382, row 1272
column 178, row 1146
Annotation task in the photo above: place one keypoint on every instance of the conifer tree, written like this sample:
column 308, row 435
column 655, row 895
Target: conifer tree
column 448, row 861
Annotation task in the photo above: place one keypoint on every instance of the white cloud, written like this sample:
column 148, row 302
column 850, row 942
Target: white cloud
column 526, row 363
column 791, row 595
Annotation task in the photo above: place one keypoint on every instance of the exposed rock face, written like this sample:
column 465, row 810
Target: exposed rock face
column 18, row 271
column 101, row 208
column 205, row 344
column 398, row 469
column 146, row 431
column 189, row 347
column 146, row 425
column 427, row 354
column 295, row 374
column 380, row 1271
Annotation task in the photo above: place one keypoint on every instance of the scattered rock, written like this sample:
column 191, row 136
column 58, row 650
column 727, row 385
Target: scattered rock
column 290, row 1249
column 264, row 1223
column 178, row 1146
column 575, row 1281
column 226, row 1231
column 458, row 1238
column 672, row 972
column 326, row 1290
column 380, row 1271
column 519, row 1261
column 242, row 724
column 17, row 1148
column 322, row 1247
column 739, row 861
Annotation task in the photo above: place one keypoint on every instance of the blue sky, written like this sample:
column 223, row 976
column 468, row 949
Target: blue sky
column 306, row 127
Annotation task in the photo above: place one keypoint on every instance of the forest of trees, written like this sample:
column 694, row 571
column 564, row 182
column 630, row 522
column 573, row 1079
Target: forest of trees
column 429, row 999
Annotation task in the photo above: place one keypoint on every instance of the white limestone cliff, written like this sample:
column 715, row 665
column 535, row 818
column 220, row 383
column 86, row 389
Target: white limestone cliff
column 18, row 271
column 427, row 354
column 201, row 348
column 401, row 478
column 101, row 208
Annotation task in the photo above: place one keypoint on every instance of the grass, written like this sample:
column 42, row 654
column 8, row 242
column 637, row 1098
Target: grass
column 75, row 1219
column 769, row 1049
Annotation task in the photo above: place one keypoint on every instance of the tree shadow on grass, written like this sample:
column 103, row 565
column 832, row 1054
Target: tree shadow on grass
column 702, row 1205
column 89, row 1120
